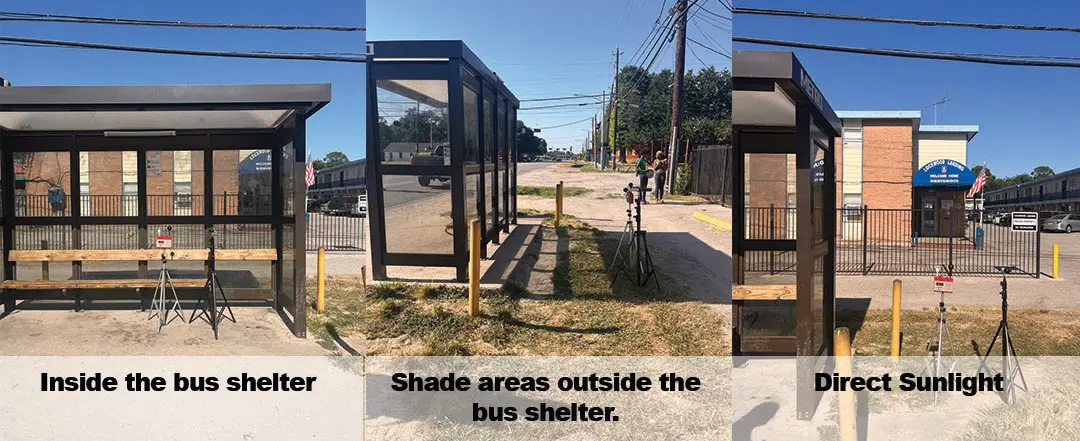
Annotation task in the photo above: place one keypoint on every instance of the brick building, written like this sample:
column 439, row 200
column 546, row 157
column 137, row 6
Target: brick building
column 108, row 183
column 889, row 160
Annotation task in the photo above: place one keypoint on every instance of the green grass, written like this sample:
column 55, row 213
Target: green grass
column 585, row 316
column 549, row 192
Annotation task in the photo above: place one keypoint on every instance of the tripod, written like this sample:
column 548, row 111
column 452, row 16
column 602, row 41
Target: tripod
column 939, row 342
column 212, row 312
column 636, row 254
column 157, row 306
column 1010, row 364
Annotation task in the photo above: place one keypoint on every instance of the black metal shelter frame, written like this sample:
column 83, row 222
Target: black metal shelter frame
column 480, row 125
column 142, row 119
column 779, row 112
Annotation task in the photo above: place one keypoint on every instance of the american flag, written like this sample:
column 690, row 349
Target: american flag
column 980, row 182
column 309, row 173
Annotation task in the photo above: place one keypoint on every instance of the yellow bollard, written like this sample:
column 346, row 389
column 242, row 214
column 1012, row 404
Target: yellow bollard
column 474, row 268
column 1055, row 261
column 320, row 302
column 896, row 288
column 846, row 399
column 558, row 203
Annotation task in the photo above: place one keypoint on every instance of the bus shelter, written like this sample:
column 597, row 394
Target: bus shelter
column 784, row 214
column 442, row 131
column 90, row 176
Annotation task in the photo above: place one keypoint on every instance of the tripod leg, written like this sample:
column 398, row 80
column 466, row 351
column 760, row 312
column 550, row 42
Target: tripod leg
column 198, row 307
column 986, row 356
column 225, row 302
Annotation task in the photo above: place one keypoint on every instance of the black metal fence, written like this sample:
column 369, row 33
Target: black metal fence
column 336, row 233
column 710, row 172
column 901, row 241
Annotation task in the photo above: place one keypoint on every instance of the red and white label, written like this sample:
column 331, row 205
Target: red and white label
column 164, row 241
column 943, row 285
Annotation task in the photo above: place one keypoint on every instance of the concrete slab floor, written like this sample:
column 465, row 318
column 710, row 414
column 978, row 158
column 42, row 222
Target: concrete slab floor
column 104, row 328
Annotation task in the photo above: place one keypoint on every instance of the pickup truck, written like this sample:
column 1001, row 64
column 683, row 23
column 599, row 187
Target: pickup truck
column 441, row 156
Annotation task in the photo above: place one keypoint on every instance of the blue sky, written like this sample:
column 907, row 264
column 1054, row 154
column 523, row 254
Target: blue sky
column 335, row 127
column 1026, row 115
column 546, row 48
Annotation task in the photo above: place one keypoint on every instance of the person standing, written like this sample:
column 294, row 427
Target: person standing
column 643, row 177
column 660, row 166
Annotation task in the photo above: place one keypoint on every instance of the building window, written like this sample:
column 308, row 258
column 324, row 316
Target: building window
column 131, row 199
column 182, row 196
column 853, row 208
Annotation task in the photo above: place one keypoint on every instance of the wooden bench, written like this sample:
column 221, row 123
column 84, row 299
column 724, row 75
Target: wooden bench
column 143, row 256
column 740, row 294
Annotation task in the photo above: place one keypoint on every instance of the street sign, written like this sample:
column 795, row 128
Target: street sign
column 1025, row 221
column 943, row 285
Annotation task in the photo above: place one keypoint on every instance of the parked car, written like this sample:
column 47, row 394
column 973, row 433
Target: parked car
column 441, row 156
column 1004, row 219
column 353, row 205
column 1062, row 223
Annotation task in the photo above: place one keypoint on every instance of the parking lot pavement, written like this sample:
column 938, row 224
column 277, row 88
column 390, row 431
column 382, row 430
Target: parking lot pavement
column 1024, row 291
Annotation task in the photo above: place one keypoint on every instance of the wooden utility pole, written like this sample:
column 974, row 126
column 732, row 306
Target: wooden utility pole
column 677, row 92
column 615, row 109
column 603, row 129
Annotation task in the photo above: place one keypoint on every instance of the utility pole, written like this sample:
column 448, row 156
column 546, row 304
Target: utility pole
column 592, row 137
column 603, row 130
column 676, row 94
column 615, row 109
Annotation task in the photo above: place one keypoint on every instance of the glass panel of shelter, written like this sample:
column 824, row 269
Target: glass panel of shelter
column 413, row 118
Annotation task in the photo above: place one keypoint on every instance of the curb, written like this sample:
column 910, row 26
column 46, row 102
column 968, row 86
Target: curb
column 718, row 223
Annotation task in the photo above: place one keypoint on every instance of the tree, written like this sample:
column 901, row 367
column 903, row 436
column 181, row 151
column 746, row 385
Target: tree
column 1042, row 171
column 334, row 158
column 528, row 144
column 318, row 164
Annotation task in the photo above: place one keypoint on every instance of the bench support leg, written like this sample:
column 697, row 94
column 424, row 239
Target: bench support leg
column 78, row 299
column 8, row 296
column 142, row 299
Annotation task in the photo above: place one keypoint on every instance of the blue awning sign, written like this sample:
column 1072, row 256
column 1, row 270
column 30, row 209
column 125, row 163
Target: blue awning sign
column 943, row 173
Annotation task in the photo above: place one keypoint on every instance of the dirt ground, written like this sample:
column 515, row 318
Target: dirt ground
column 693, row 251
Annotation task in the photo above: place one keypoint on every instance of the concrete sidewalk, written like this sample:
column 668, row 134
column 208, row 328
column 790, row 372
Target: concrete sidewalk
column 1024, row 291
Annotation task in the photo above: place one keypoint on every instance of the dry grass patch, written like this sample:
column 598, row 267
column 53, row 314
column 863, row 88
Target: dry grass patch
column 344, row 298
column 586, row 316
column 1035, row 331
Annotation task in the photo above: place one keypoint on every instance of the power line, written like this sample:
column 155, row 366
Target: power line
column 558, row 105
column 918, row 22
column 709, row 48
column 567, row 124
column 724, row 17
column 903, row 53
column 562, row 98
column 696, row 57
column 226, row 54
column 22, row 16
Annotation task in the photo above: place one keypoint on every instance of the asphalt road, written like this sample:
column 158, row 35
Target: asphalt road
column 399, row 190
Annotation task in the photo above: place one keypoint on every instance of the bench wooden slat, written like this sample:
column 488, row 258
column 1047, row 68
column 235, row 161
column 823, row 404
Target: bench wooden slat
column 255, row 254
column 96, row 284
column 763, row 292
